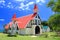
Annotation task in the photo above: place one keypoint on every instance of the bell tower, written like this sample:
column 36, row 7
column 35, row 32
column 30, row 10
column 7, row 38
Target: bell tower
column 37, row 18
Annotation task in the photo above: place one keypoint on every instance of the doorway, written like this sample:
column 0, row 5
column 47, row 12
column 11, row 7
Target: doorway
column 37, row 30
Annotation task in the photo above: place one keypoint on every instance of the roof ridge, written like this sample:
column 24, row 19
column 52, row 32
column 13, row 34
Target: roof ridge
column 25, row 15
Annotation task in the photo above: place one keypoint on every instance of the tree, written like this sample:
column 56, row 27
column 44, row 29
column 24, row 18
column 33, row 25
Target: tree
column 54, row 22
column 54, row 5
column 44, row 23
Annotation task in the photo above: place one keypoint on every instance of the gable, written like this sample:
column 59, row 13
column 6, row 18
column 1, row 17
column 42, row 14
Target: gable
column 37, row 16
column 35, row 21
column 38, row 19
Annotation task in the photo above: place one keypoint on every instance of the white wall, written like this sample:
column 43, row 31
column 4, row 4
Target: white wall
column 33, row 29
column 21, row 31
column 48, row 29
column 29, row 30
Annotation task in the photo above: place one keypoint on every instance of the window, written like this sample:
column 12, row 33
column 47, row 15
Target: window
column 29, row 25
column 38, row 22
column 9, row 27
column 17, row 28
column 36, row 16
column 35, row 22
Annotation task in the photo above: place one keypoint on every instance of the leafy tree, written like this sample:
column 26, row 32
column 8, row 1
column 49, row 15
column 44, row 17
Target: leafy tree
column 54, row 5
column 44, row 23
column 54, row 22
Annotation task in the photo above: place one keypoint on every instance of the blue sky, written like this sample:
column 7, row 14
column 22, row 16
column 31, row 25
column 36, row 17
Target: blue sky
column 22, row 8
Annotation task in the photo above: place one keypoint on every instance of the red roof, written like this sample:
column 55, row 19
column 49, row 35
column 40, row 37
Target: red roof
column 22, row 21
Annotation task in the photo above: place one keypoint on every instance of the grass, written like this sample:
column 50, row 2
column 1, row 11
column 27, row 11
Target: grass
column 19, row 37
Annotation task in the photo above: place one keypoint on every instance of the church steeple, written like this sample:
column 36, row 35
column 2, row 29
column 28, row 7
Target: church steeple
column 35, row 8
column 14, row 17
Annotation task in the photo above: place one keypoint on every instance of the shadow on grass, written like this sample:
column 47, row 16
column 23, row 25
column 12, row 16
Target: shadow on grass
column 11, row 35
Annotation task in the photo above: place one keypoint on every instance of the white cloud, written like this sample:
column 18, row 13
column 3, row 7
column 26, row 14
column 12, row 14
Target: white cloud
column 2, row 19
column 10, row 6
column 43, row 1
column 25, row 6
column 21, row 5
column 20, row 0
column 2, row 1
column 9, row 3
column 38, row 1
column 30, row 3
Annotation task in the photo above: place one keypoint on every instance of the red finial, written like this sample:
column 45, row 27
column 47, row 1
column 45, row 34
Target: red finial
column 14, row 17
column 35, row 8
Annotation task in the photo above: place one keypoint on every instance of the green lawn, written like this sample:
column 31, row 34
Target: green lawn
column 4, row 37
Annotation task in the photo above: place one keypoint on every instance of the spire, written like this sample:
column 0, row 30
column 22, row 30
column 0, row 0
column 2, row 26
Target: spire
column 14, row 17
column 35, row 8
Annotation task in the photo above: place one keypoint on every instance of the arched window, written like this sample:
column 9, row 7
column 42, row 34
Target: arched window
column 17, row 28
column 9, row 27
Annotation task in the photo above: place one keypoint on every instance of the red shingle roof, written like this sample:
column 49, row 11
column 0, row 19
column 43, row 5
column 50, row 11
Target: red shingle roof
column 23, row 21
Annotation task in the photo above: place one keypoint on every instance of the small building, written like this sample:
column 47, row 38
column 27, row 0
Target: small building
column 29, row 24
column 45, row 29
